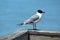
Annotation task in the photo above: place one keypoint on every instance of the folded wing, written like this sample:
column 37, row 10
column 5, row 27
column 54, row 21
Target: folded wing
column 32, row 19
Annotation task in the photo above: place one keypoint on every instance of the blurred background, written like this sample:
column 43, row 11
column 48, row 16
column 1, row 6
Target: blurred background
column 13, row 12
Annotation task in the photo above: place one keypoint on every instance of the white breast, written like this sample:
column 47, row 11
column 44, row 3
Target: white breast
column 39, row 17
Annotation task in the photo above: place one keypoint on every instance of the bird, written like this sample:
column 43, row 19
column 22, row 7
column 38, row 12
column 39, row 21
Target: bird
column 33, row 20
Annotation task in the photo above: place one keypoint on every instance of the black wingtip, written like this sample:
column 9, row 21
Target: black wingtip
column 20, row 24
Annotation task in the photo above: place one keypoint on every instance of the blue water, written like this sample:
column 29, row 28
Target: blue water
column 13, row 12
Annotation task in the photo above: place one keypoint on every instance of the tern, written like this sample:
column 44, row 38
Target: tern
column 33, row 19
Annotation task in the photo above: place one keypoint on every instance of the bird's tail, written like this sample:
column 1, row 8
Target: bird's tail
column 20, row 24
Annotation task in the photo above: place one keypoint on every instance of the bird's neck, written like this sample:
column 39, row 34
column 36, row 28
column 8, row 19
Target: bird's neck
column 39, row 14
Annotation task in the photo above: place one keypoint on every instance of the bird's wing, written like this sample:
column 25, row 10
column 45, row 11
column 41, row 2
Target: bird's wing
column 31, row 19
column 34, row 17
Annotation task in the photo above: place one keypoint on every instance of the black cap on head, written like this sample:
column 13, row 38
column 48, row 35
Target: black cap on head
column 40, row 11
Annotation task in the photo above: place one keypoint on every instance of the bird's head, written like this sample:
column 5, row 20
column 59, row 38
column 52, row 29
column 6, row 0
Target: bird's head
column 40, row 11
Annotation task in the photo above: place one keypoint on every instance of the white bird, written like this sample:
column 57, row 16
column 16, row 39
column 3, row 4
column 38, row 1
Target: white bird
column 33, row 19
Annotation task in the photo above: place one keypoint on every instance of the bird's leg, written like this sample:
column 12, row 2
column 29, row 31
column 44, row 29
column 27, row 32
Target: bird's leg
column 34, row 26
